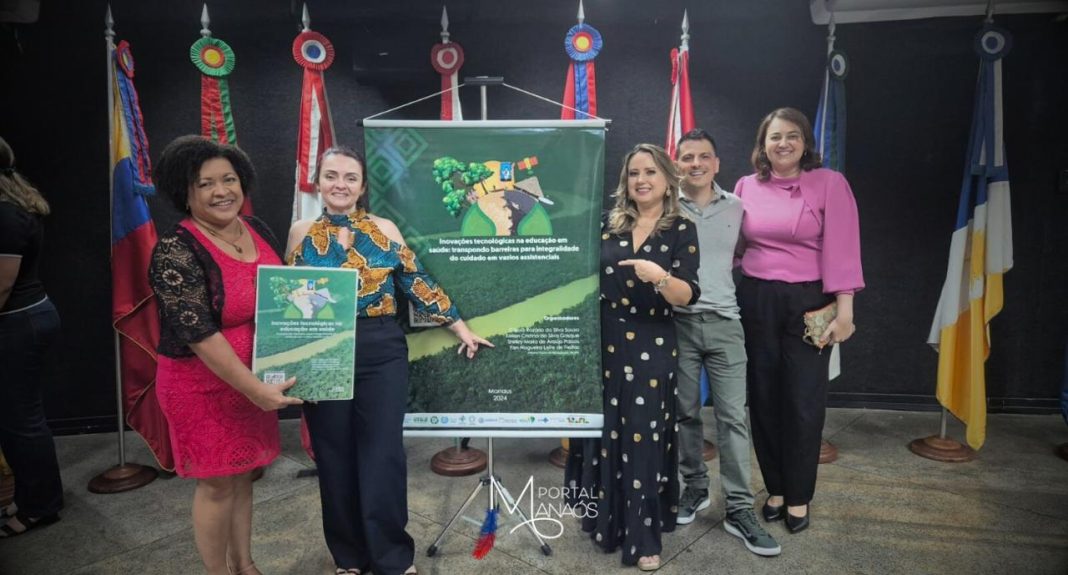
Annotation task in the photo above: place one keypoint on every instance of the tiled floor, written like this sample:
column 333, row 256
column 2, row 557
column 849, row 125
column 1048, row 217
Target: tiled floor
column 878, row 510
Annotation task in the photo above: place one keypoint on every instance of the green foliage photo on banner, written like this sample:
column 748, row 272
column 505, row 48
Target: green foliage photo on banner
column 505, row 215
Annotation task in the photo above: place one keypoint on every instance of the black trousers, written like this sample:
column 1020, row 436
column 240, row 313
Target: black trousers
column 25, row 339
column 363, row 474
column 787, row 380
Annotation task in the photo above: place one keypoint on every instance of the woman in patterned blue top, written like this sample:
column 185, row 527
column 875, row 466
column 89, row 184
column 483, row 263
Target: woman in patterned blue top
column 358, row 443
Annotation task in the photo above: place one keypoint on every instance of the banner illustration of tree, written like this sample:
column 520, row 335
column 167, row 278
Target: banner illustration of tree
column 507, row 220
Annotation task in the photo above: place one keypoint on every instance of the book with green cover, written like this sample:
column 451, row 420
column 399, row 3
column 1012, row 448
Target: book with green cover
column 306, row 328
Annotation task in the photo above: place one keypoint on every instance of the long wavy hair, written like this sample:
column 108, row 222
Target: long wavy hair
column 16, row 189
column 624, row 214
column 810, row 158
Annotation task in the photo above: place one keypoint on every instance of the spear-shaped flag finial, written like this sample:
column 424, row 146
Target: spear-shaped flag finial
column 109, row 24
column 305, row 19
column 685, row 30
column 205, row 21
column 447, row 57
column 444, row 25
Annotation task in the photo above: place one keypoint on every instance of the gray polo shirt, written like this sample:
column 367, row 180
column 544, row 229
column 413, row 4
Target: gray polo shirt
column 718, row 225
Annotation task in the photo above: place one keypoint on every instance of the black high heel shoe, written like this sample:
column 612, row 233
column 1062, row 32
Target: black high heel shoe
column 772, row 512
column 796, row 524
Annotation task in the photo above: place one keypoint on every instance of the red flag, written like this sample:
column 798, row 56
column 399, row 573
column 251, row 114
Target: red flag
column 447, row 57
column 133, row 235
column 680, row 119
column 314, row 53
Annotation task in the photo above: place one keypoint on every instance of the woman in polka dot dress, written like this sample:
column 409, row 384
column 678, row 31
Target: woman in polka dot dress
column 649, row 262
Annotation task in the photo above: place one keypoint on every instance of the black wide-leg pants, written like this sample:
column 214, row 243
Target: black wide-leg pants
column 359, row 451
column 787, row 380
column 26, row 340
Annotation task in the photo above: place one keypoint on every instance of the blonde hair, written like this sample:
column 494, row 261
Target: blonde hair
column 624, row 214
column 14, row 188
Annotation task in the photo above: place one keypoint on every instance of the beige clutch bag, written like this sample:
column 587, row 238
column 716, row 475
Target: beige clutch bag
column 816, row 322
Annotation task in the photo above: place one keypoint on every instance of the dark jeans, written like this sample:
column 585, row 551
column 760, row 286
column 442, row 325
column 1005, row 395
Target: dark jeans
column 359, row 450
column 25, row 339
column 787, row 383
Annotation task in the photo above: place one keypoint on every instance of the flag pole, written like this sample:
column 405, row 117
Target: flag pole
column 460, row 459
column 940, row 447
column 559, row 455
column 828, row 451
column 124, row 476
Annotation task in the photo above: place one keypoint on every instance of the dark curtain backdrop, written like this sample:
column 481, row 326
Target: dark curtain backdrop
column 910, row 94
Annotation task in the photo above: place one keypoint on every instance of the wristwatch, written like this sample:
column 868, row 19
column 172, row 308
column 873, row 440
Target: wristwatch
column 662, row 283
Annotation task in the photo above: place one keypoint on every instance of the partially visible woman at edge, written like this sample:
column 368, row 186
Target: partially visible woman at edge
column 29, row 326
column 801, row 237
column 221, row 418
column 358, row 443
column 649, row 260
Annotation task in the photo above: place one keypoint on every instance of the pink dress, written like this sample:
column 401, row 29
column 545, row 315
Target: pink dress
column 215, row 430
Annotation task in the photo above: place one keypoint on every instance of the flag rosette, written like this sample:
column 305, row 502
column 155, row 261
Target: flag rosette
column 212, row 57
column 583, row 42
column 313, row 51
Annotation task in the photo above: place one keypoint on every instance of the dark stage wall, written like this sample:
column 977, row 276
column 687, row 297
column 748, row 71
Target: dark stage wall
column 910, row 93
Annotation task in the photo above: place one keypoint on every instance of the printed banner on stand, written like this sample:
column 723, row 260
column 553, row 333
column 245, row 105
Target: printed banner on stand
column 505, row 215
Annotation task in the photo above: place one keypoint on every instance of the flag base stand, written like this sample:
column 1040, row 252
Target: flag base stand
column 497, row 492
column 1062, row 450
column 122, row 478
column 558, row 456
column 458, row 461
column 710, row 451
column 828, row 452
column 942, row 449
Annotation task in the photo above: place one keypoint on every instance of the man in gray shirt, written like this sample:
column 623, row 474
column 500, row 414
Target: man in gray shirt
column 710, row 336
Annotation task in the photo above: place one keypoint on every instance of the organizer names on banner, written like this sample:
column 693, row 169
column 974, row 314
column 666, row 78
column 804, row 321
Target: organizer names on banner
column 546, row 340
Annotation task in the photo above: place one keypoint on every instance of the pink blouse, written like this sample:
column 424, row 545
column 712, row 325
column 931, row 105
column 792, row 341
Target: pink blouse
column 802, row 229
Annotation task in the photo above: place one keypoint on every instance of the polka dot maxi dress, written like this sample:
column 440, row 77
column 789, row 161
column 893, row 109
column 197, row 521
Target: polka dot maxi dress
column 630, row 473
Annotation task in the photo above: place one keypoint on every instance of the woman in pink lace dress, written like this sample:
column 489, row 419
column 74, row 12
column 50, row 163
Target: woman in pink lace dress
column 222, row 418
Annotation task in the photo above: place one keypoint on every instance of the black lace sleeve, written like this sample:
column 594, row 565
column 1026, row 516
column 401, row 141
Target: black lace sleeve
column 185, row 306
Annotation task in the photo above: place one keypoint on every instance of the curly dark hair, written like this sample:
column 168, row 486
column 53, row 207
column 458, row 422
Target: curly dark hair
column 179, row 167
column 364, row 201
column 810, row 158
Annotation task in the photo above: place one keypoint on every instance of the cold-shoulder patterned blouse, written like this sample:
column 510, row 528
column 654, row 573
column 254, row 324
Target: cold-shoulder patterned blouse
column 383, row 265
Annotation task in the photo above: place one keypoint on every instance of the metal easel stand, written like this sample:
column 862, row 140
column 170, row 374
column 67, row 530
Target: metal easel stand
column 496, row 490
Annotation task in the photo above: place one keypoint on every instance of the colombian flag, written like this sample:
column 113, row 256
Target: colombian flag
column 133, row 235
column 980, row 252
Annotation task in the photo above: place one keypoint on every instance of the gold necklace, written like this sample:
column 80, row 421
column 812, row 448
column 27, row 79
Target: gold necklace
column 233, row 244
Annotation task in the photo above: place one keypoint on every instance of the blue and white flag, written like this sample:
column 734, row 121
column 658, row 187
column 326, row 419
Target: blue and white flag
column 830, row 134
column 830, row 128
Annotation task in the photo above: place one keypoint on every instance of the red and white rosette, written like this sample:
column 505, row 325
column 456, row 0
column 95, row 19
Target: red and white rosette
column 447, row 57
column 314, row 53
